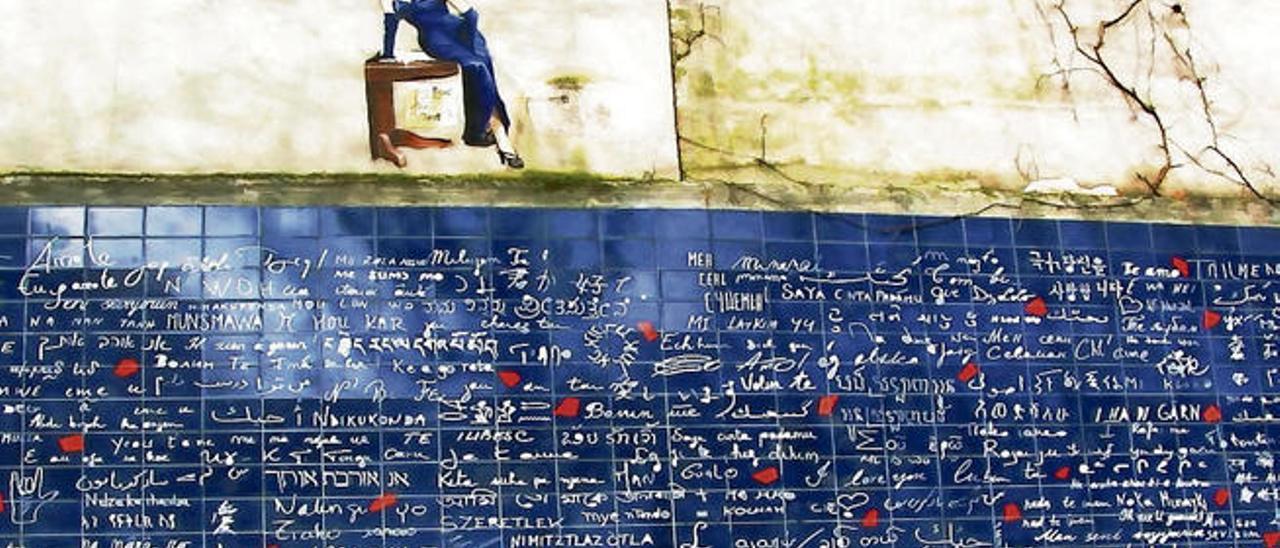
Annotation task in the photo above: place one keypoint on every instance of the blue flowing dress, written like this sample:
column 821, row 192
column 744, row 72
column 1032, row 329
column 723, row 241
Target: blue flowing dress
column 456, row 38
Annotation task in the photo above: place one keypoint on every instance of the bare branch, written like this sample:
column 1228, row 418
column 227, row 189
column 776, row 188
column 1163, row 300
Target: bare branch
column 1094, row 52
column 1106, row 25
column 1187, row 60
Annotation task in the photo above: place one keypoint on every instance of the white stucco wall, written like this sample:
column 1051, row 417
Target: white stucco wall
column 276, row 85
column 951, row 85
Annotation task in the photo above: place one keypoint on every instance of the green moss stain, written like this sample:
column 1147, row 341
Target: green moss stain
column 569, row 82
column 813, row 77
column 1030, row 86
column 930, row 103
column 702, row 84
column 720, row 103
column 577, row 159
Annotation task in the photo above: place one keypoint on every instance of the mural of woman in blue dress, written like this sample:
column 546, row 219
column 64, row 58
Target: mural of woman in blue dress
column 449, row 32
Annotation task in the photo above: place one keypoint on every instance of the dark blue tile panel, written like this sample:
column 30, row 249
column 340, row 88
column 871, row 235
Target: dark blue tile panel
column 514, row 377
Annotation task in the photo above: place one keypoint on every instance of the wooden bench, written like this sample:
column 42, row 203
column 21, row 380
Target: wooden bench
column 385, row 138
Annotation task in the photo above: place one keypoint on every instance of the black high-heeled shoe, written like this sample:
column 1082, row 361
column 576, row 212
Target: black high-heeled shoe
column 510, row 159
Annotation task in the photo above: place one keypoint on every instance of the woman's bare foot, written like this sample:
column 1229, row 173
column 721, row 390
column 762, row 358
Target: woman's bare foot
column 391, row 152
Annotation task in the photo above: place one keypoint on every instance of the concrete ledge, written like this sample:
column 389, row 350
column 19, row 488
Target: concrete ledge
column 948, row 196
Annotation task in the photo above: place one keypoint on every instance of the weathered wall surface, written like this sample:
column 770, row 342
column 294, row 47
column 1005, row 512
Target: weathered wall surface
column 851, row 91
column 856, row 105
column 276, row 86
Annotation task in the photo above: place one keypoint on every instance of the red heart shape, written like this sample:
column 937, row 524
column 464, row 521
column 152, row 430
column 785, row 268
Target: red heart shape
column 1211, row 414
column 1036, row 307
column 827, row 405
column 568, row 408
column 71, row 444
column 649, row 332
column 766, row 476
column 127, row 367
column 1182, row 265
column 1222, row 496
column 509, row 379
column 1271, row 539
column 872, row 518
column 968, row 373
column 1063, row 473
column 1012, row 512
column 1211, row 319
column 383, row 502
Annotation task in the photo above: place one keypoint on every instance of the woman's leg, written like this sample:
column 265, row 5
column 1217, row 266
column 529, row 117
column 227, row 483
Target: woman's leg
column 480, row 87
column 485, row 112
column 499, row 130
column 480, row 98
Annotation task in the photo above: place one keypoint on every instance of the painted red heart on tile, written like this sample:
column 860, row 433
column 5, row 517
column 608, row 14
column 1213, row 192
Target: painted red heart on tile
column 766, row 476
column 1182, row 265
column 1063, row 473
column 1222, row 496
column 968, row 373
column 1211, row 414
column 509, row 379
column 647, row 330
column 1211, row 319
column 71, row 444
column 568, row 408
column 1037, row 307
column 127, row 367
column 383, row 502
column 1012, row 512
column 827, row 405
column 1271, row 539
column 872, row 518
